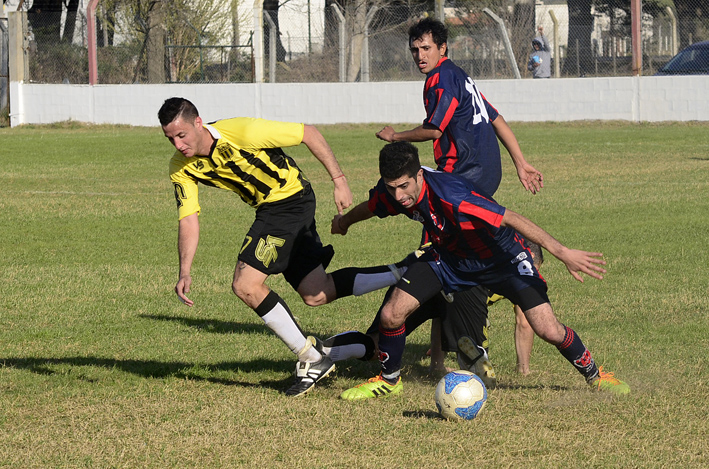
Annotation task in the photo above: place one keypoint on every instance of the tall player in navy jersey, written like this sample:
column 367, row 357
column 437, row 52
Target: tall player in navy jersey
column 464, row 128
column 475, row 241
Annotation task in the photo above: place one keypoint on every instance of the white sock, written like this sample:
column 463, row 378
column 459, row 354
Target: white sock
column 282, row 324
column 344, row 352
column 365, row 283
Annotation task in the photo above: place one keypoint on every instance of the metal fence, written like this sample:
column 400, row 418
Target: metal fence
column 326, row 41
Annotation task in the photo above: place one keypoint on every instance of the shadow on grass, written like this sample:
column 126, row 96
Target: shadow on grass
column 216, row 326
column 211, row 325
column 160, row 370
column 423, row 414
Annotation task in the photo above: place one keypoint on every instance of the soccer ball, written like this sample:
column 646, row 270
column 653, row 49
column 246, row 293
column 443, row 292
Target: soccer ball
column 460, row 395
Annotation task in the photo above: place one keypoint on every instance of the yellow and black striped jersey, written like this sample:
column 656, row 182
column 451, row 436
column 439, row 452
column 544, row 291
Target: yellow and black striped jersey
column 246, row 158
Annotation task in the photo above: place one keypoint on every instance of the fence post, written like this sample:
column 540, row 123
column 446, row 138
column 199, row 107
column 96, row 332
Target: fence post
column 673, row 20
column 271, row 48
column 440, row 11
column 506, row 40
column 18, row 69
column 257, row 42
column 91, row 41
column 557, row 57
column 636, row 39
column 365, row 45
column 342, row 46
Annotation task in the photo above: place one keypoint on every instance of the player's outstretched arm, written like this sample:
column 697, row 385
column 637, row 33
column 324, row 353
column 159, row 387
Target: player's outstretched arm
column 187, row 241
column 318, row 146
column 422, row 133
column 341, row 223
column 531, row 179
column 576, row 261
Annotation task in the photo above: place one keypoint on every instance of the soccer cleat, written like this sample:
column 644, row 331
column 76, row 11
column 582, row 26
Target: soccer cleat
column 608, row 382
column 474, row 358
column 374, row 387
column 307, row 374
column 483, row 368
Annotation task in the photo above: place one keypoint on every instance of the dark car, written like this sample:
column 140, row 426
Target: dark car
column 692, row 60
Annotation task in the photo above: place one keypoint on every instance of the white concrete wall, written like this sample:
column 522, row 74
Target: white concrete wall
column 679, row 98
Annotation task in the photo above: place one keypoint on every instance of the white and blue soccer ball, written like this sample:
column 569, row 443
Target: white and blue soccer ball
column 460, row 395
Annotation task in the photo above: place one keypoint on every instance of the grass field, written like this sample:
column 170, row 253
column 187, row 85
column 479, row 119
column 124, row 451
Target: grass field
column 102, row 366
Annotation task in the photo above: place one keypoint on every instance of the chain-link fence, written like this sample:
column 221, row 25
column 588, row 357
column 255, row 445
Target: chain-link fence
column 4, row 69
column 159, row 41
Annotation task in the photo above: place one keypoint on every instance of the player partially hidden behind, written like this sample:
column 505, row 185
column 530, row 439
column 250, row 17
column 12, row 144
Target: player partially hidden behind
column 475, row 242
column 244, row 155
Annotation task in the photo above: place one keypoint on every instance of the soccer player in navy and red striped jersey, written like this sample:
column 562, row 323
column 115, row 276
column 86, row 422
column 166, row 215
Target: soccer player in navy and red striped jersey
column 475, row 241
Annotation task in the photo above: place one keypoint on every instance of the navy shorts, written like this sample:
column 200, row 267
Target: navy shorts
column 518, row 280
column 283, row 239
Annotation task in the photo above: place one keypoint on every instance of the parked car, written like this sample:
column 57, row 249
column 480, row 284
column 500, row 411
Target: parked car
column 692, row 60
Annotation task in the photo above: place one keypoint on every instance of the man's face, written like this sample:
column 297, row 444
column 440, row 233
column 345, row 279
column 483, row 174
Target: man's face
column 185, row 135
column 426, row 53
column 406, row 189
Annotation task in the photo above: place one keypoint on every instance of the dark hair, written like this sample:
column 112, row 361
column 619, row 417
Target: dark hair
column 438, row 31
column 536, row 253
column 173, row 108
column 398, row 159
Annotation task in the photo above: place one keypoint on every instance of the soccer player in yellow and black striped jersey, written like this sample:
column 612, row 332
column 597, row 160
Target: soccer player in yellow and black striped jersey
column 245, row 156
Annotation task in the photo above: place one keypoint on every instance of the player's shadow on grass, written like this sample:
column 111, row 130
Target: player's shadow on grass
column 210, row 325
column 216, row 326
column 156, row 369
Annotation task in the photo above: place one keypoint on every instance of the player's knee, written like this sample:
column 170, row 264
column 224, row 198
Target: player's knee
column 314, row 299
column 241, row 290
column 391, row 319
column 552, row 333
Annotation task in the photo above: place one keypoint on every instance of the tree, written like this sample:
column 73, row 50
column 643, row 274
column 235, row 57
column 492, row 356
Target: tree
column 45, row 16
column 693, row 19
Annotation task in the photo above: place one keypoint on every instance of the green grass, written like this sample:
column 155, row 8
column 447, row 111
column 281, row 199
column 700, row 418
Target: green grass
column 101, row 366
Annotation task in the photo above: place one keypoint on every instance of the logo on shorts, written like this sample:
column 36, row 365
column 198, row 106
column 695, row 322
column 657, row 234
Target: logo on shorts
column 266, row 251
column 520, row 257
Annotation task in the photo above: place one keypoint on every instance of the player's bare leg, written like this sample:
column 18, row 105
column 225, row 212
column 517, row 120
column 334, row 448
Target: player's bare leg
column 524, row 340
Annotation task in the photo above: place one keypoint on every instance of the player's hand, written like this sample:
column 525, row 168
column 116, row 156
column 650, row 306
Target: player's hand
column 531, row 179
column 338, row 226
column 343, row 195
column 386, row 134
column 182, row 287
column 582, row 261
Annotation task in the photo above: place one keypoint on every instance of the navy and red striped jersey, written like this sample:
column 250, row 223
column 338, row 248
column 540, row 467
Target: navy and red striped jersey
column 459, row 220
column 468, row 145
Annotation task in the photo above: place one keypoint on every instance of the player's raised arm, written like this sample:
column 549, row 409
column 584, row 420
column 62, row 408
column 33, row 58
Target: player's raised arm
column 341, row 223
column 318, row 146
column 576, row 261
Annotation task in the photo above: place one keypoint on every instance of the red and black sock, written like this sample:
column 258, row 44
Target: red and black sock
column 573, row 349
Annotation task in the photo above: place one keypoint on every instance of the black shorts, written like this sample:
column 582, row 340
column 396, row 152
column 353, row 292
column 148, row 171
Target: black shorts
column 283, row 239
